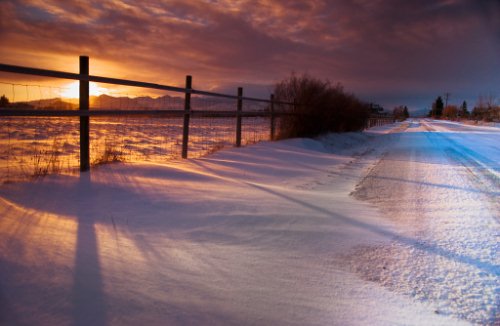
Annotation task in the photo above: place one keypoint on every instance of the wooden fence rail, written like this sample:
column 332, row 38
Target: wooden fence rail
column 84, row 112
column 379, row 120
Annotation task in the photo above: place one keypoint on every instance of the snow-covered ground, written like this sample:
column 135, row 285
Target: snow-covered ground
column 34, row 146
column 395, row 226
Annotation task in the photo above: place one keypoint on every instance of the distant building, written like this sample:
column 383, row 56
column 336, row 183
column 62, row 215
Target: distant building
column 376, row 109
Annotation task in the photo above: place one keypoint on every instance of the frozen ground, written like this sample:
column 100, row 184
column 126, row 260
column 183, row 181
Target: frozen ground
column 396, row 226
column 33, row 146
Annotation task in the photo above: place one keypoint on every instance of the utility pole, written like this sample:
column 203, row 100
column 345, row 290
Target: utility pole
column 446, row 96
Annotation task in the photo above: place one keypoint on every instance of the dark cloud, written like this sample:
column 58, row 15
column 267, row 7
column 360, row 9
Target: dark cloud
column 373, row 47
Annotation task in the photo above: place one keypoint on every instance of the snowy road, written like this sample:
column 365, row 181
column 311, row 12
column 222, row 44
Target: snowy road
column 440, row 182
column 395, row 226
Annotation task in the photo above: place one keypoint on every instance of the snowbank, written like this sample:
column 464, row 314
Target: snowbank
column 250, row 236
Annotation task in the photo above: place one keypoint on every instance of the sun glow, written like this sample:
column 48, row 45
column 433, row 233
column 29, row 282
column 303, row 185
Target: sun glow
column 72, row 90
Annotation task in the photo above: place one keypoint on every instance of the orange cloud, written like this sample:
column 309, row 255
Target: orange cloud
column 367, row 45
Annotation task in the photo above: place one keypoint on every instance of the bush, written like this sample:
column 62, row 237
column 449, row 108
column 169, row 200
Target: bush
column 400, row 113
column 318, row 108
column 488, row 114
column 450, row 112
column 486, row 109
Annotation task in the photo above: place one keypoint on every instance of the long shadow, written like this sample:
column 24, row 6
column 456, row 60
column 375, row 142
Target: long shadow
column 421, row 183
column 424, row 246
column 466, row 152
column 342, row 173
column 87, row 294
column 7, row 313
column 89, row 304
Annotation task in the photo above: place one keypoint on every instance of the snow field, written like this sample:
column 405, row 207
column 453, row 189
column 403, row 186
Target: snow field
column 261, row 235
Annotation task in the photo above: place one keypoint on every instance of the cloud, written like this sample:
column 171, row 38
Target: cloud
column 367, row 45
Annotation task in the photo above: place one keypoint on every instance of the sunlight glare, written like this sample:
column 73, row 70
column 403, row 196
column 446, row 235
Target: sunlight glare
column 72, row 90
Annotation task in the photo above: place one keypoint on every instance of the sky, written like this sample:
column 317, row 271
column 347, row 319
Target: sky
column 390, row 52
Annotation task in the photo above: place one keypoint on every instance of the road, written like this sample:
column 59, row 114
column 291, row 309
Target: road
column 440, row 182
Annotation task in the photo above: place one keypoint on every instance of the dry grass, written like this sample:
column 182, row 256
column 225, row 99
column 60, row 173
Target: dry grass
column 47, row 161
column 215, row 147
column 111, row 154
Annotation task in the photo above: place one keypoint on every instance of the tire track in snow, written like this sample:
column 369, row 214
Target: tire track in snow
column 431, row 196
column 482, row 172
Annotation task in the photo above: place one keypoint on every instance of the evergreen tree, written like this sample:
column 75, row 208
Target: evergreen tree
column 405, row 112
column 464, row 112
column 4, row 101
column 437, row 107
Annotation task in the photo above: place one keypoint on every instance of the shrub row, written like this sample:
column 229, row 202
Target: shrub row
column 319, row 107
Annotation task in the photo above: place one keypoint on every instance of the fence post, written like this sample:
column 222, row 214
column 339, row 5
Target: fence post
column 238, row 117
column 84, row 120
column 187, row 113
column 271, row 109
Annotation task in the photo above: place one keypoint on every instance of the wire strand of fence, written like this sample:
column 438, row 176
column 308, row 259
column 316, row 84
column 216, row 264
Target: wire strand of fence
column 41, row 123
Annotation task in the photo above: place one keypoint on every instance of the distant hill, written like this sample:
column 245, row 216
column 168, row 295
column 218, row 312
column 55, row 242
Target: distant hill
column 106, row 102
column 161, row 103
column 45, row 104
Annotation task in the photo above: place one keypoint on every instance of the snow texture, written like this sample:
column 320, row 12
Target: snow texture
column 398, row 225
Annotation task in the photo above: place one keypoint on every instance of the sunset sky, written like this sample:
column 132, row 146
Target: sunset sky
column 391, row 52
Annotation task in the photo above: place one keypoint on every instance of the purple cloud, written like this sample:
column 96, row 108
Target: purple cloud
column 384, row 50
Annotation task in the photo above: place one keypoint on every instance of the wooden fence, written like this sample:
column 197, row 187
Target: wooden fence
column 379, row 120
column 186, row 113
